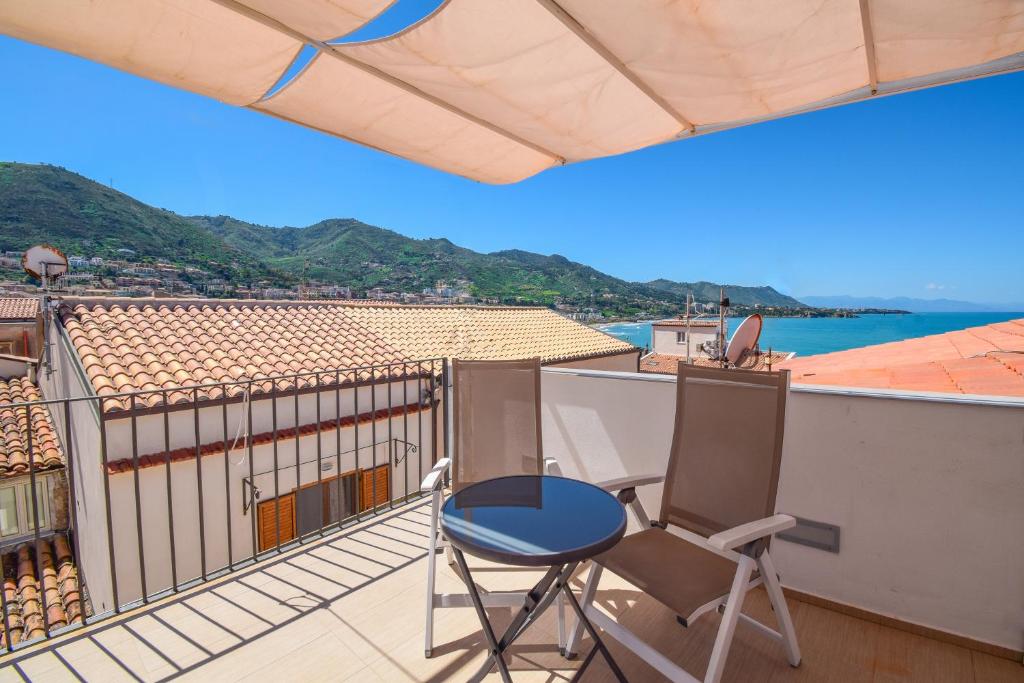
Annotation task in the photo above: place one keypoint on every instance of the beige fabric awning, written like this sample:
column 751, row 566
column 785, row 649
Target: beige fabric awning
column 499, row 90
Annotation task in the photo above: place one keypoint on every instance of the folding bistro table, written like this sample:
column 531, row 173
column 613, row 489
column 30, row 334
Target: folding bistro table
column 532, row 521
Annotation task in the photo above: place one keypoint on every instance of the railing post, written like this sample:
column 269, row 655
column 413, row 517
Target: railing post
column 35, row 516
column 69, row 457
column 106, row 495
column 138, row 501
column 170, row 491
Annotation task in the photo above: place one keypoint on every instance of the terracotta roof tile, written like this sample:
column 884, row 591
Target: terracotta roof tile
column 26, row 308
column 14, row 425
column 25, row 590
column 983, row 360
column 168, row 345
column 667, row 364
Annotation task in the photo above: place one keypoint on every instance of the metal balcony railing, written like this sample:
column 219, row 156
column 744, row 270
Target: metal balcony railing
column 359, row 438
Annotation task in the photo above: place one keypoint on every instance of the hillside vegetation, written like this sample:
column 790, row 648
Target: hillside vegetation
column 41, row 203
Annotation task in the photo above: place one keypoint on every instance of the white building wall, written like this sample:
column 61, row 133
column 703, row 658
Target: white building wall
column 82, row 448
column 222, row 498
column 621, row 362
column 664, row 339
column 928, row 491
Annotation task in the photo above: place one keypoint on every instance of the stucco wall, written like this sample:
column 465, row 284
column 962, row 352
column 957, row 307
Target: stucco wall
column 82, row 449
column 928, row 492
column 622, row 362
column 664, row 339
column 222, row 498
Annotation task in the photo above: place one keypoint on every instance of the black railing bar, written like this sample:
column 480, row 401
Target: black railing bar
column 138, row 503
column 252, row 507
column 433, row 416
column 35, row 516
column 199, row 485
column 445, row 378
column 405, row 433
column 277, row 486
column 419, row 425
column 355, row 411
column 373, row 453
column 69, row 452
column 110, row 524
column 170, row 493
column 391, row 455
column 337, row 435
column 298, row 470
column 319, row 459
column 227, row 483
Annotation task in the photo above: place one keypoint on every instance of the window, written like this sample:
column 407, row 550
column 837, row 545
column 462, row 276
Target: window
column 680, row 337
column 17, row 518
column 9, row 511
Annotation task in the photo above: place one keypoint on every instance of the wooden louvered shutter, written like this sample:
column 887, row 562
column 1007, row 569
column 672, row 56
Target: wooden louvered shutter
column 373, row 491
column 269, row 522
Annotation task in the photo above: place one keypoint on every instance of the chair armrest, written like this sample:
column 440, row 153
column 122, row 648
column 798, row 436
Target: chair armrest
column 612, row 485
column 551, row 467
column 435, row 477
column 733, row 538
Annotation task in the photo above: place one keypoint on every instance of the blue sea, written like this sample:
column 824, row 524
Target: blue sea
column 808, row 336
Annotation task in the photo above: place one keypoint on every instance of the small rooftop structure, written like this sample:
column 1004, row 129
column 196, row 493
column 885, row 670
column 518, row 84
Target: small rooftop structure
column 987, row 360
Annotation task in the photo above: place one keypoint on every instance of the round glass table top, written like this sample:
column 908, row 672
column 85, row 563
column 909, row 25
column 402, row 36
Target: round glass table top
column 533, row 521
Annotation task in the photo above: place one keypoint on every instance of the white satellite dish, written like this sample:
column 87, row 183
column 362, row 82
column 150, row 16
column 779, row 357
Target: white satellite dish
column 44, row 263
column 744, row 338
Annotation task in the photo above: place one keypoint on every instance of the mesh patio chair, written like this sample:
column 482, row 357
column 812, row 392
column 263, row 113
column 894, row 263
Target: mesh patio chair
column 710, row 543
column 496, row 432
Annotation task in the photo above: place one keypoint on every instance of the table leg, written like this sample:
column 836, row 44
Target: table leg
column 598, row 643
column 495, row 652
column 537, row 600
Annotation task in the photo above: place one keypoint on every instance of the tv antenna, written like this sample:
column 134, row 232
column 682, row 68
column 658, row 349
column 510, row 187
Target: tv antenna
column 47, row 264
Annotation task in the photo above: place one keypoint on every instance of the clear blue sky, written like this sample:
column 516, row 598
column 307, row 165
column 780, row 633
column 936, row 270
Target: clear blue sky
column 917, row 195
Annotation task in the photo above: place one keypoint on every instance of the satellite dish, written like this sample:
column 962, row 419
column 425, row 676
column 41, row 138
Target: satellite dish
column 744, row 338
column 44, row 262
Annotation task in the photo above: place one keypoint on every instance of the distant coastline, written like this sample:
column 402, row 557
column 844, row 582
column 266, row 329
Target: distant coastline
column 810, row 336
column 774, row 312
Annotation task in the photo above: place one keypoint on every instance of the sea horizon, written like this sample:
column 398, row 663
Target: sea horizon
column 812, row 336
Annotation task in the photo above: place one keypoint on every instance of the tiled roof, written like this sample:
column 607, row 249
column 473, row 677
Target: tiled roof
column 978, row 360
column 164, row 345
column 24, row 590
column 217, row 447
column 666, row 364
column 25, row 308
column 14, row 425
column 679, row 322
column 487, row 333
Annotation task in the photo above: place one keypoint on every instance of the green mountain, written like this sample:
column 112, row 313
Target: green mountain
column 743, row 296
column 52, row 205
column 48, row 204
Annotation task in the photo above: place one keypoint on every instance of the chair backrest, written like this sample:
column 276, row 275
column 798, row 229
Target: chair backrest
column 496, row 420
column 723, row 469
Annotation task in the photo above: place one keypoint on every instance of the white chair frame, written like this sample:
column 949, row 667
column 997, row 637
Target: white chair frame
column 746, row 536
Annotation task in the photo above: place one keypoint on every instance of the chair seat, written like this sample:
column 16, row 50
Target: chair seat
column 680, row 575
